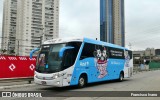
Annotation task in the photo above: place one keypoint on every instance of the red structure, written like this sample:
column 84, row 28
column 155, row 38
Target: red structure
column 16, row 67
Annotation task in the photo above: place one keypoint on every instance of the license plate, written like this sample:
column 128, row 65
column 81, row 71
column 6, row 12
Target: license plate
column 43, row 82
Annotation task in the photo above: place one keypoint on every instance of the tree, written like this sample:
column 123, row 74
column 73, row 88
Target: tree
column 12, row 52
column 4, row 50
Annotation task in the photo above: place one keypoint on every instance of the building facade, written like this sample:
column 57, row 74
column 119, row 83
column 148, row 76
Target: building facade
column 9, row 24
column 144, row 56
column 157, row 52
column 34, row 21
column 112, row 23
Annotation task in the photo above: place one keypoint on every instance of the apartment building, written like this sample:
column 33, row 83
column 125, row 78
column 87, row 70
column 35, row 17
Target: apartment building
column 9, row 24
column 35, row 22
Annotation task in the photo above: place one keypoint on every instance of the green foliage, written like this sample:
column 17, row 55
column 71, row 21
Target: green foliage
column 4, row 50
column 12, row 52
column 153, row 65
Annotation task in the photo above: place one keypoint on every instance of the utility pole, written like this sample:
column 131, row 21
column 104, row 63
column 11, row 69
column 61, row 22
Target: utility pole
column 8, row 48
column 18, row 47
column 41, row 37
column 150, row 54
column 130, row 46
column 8, row 45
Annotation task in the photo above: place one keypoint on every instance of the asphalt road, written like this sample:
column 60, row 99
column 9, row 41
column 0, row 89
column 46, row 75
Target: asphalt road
column 143, row 81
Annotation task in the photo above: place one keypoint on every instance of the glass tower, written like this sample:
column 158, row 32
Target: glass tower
column 112, row 21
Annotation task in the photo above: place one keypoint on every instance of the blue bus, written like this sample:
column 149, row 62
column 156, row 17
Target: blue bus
column 78, row 61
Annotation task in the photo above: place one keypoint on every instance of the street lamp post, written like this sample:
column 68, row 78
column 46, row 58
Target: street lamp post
column 18, row 48
column 9, row 47
column 150, row 54
column 41, row 37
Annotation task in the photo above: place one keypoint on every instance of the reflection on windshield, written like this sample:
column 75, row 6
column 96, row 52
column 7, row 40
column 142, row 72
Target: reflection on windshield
column 54, row 61
column 48, row 60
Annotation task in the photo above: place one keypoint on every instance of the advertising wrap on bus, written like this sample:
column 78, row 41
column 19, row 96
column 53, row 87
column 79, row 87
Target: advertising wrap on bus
column 66, row 62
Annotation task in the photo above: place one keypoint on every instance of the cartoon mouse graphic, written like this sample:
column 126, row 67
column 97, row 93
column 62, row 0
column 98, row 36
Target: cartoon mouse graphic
column 101, row 61
column 127, row 58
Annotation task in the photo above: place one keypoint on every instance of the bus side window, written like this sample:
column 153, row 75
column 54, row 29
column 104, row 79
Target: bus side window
column 87, row 51
column 69, row 58
column 130, row 54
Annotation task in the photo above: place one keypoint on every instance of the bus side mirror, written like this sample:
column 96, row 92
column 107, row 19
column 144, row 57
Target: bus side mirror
column 62, row 50
column 33, row 51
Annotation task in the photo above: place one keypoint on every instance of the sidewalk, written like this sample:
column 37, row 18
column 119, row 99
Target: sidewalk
column 15, row 83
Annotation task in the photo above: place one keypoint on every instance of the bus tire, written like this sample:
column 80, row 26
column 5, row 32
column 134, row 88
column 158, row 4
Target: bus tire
column 82, row 81
column 121, row 76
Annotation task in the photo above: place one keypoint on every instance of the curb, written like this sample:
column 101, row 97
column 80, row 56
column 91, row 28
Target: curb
column 15, row 86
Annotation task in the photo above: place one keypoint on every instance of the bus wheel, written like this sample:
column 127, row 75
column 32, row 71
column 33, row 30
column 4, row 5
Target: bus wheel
column 82, row 81
column 121, row 77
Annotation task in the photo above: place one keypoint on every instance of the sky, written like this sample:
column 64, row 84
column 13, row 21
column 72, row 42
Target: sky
column 1, row 14
column 81, row 18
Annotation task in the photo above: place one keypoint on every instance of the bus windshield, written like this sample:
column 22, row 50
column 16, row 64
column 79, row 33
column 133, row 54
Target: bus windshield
column 48, row 60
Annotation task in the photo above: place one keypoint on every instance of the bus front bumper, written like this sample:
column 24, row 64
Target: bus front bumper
column 54, row 82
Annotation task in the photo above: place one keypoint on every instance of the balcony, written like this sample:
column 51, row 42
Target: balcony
column 12, row 35
column 34, row 30
column 37, row 22
column 37, row 9
column 14, row 0
column 13, row 15
column 13, row 23
column 36, row 39
column 37, row 28
column 49, row 5
column 48, row 37
column 49, row 8
column 48, row 20
column 49, row 24
column 35, row 42
column 37, row 6
column 49, row 12
column 36, row 12
column 36, row 16
column 36, row 25
column 37, row 3
column 13, row 12
column 36, row 36
column 12, row 30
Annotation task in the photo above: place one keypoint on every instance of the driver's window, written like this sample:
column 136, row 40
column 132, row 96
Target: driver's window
column 87, row 51
column 68, row 58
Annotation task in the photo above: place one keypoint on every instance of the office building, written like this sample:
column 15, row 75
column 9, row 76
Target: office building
column 112, row 23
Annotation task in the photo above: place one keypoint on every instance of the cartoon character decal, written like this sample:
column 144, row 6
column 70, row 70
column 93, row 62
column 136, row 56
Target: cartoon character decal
column 127, row 58
column 42, row 60
column 101, row 62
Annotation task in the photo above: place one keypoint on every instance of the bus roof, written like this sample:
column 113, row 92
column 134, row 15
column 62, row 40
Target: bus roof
column 81, row 39
column 103, row 43
column 63, row 40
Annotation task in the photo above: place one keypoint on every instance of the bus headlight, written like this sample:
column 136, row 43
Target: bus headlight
column 55, row 76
